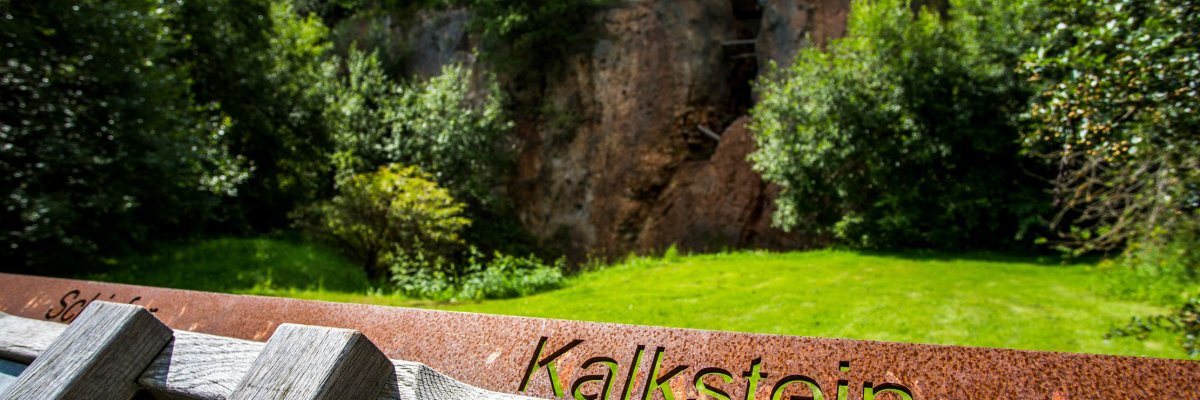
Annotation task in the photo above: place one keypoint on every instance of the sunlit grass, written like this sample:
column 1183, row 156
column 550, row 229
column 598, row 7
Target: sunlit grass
column 987, row 300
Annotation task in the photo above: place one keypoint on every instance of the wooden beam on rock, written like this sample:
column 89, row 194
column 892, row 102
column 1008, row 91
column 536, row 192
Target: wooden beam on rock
column 708, row 132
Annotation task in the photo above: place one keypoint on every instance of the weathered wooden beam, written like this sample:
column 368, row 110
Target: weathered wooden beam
column 199, row 366
column 739, row 42
column 207, row 367
column 303, row 362
column 22, row 339
column 98, row 356
column 708, row 132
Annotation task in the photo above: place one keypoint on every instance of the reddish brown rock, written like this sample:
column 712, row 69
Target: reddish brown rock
column 791, row 25
column 618, row 122
column 719, row 203
column 616, row 163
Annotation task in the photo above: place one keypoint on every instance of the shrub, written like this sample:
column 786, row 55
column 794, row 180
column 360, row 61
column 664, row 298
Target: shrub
column 101, row 148
column 393, row 217
column 518, row 34
column 1184, row 320
column 502, row 276
column 506, row 276
column 456, row 134
column 902, row 134
column 440, row 125
column 1162, row 267
column 1116, row 112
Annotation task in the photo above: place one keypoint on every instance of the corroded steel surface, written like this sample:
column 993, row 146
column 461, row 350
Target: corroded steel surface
column 500, row 352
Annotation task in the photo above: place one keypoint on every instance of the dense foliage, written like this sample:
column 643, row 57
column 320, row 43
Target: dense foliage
column 902, row 133
column 497, row 277
column 439, row 125
column 522, row 34
column 129, row 122
column 506, row 276
column 392, row 219
column 1116, row 112
column 1184, row 320
column 100, row 146
column 258, row 65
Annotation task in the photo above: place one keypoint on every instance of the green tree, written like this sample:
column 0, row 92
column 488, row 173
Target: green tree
column 440, row 125
column 1117, row 114
column 524, row 34
column 453, row 125
column 100, row 148
column 396, row 215
column 360, row 113
column 902, row 133
column 260, row 66
column 458, row 135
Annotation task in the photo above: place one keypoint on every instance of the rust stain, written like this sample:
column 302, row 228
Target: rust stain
column 494, row 352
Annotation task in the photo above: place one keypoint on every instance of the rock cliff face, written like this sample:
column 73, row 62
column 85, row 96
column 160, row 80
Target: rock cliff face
column 619, row 159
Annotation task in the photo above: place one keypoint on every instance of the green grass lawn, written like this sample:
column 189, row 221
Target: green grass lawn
column 234, row 265
column 975, row 301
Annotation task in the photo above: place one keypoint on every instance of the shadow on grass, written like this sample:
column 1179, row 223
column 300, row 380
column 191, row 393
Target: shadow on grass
column 1046, row 259
column 238, row 265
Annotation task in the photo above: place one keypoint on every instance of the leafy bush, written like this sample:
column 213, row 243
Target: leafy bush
column 440, row 125
column 1184, row 320
column 100, row 148
column 519, row 34
column 1163, row 267
column 1116, row 112
column 902, row 133
column 502, row 276
column 358, row 113
column 393, row 217
column 506, row 276
column 455, row 134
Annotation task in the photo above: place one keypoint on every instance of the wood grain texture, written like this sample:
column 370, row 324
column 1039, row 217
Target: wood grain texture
column 418, row 381
column 199, row 366
column 97, row 357
column 23, row 339
column 302, row 362
column 207, row 367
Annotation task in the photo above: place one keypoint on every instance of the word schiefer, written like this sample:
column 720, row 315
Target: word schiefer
column 598, row 377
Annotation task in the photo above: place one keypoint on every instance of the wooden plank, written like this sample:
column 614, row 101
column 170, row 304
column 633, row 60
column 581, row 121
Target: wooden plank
column 418, row 381
column 200, row 366
column 708, row 132
column 739, row 42
column 23, row 339
column 302, row 362
column 97, row 357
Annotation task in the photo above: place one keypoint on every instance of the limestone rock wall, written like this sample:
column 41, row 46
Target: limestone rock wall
column 616, row 161
column 612, row 158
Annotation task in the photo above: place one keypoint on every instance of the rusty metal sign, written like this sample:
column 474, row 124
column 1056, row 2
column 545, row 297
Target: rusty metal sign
column 584, row 360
